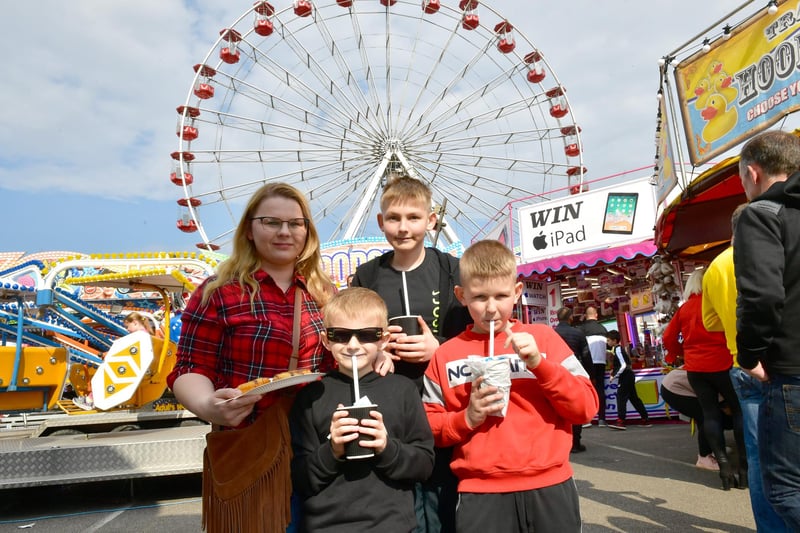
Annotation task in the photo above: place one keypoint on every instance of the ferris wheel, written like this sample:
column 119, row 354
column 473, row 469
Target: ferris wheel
column 333, row 96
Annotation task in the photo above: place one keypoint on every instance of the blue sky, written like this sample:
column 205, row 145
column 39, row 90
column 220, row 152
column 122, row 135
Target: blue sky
column 90, row 89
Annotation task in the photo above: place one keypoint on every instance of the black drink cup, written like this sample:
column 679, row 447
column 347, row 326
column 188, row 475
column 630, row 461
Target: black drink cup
column 352, row 449
column 409, row 324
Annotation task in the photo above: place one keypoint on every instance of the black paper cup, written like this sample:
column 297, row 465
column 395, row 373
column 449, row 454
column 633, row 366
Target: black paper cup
column 352, row 449
column 408, row 323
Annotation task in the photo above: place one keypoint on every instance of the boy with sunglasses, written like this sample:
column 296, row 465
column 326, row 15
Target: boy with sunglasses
column 359, row 494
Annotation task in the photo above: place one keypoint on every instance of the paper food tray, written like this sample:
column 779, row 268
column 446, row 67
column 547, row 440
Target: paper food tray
column 277, row 384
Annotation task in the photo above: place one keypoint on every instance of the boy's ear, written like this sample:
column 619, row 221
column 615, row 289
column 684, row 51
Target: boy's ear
column 432, row 218
column 517, row 291
column 325, row 342
column 380, row 221
column 458, row 290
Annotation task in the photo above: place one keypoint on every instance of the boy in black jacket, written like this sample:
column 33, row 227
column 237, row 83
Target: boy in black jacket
column 376, row 493
column 431, row 275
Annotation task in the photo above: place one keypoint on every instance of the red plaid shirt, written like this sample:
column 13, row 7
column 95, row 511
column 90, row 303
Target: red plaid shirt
column 230, row 345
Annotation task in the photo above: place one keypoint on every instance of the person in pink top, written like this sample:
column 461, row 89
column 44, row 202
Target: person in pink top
column 707, row 361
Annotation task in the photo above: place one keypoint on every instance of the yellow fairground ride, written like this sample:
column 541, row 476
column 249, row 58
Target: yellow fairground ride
column 63, row 340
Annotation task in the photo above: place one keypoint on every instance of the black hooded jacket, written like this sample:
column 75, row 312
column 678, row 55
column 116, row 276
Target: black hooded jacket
column 767, row 264
column 576, row 340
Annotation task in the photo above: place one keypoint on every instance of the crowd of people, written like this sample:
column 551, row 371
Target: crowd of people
column 441, row 435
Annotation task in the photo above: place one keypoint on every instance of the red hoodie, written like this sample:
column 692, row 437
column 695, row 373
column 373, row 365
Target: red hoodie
column 529, row 447
column 702, row 350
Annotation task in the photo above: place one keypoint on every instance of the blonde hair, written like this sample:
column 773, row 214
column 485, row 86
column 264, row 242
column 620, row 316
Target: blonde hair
column 244, row 262
column 135, row 316
column 403, row 189
column 487, row 259
column 694, row 284
column 355, row 303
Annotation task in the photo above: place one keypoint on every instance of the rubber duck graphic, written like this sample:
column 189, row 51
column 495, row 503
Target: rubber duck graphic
column 719, row 119
column 701, row 91
column 716, row 81
column 721, row 83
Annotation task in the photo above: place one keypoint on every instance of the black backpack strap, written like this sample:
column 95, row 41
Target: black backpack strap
column 368, row 272
column 445, row 280
column 454, row 316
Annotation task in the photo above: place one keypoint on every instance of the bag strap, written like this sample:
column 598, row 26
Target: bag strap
column 445, row 282
column 298, row 302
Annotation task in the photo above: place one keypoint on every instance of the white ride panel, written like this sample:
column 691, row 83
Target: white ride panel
column 123, row 368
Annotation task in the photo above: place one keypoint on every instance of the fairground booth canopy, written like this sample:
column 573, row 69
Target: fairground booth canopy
column 696, row 224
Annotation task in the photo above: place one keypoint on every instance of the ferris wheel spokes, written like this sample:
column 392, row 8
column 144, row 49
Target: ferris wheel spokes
column 369, row 194
column 333, row 101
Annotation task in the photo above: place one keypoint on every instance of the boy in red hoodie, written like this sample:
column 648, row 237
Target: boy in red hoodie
column 511, row 458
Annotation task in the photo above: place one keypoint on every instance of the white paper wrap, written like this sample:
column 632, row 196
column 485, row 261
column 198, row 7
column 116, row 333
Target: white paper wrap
column 496, row 372
column 362, row 402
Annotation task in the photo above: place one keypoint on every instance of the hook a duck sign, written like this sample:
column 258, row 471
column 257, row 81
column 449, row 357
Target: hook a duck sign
column 744, row 83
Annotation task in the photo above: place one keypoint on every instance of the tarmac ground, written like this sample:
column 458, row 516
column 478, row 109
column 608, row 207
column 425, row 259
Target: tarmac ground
column 638, row 480
column 644, row 480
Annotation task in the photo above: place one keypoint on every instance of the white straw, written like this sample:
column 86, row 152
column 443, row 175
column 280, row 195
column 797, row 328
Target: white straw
column 355, row 377
column 405, row 293
column 491, row 338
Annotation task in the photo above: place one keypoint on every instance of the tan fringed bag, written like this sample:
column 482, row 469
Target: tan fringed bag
column 246, row 475
column 247, row 482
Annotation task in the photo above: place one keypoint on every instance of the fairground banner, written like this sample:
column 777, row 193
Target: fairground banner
column 666, row 178
column 743, row 84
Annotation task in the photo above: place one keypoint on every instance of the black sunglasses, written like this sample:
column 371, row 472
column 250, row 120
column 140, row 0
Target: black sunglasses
column 363, row 334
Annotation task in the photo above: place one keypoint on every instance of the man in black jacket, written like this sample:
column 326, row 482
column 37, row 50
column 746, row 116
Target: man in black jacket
column 576, row 340
column 596, row 337
column 767, row 264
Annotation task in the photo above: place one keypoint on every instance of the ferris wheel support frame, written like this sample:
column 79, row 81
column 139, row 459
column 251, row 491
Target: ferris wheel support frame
column 362, row 210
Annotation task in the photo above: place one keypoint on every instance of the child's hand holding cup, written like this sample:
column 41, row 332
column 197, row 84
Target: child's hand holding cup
column 409, row 326
column 496, row 372
column 353, row 448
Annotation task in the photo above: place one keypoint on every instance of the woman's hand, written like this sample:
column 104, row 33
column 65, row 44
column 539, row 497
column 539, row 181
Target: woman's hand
column 225, row 407
column 228, row 407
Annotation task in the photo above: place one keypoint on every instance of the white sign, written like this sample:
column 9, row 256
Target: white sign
column 611, row 216
column 534, row 293
column 553, row 303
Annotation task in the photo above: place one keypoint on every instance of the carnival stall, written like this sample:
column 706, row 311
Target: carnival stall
column 595, row 249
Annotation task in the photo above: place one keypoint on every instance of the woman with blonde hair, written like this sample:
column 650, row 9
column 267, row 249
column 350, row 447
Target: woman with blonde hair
column 238, row 324
column 237, row 327
column 707, row 361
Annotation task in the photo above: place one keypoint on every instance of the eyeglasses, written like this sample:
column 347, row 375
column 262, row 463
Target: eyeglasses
column 363, row 334
column 296, row 225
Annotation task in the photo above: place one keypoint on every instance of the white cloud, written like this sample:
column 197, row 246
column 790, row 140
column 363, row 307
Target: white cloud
column 90, row 87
